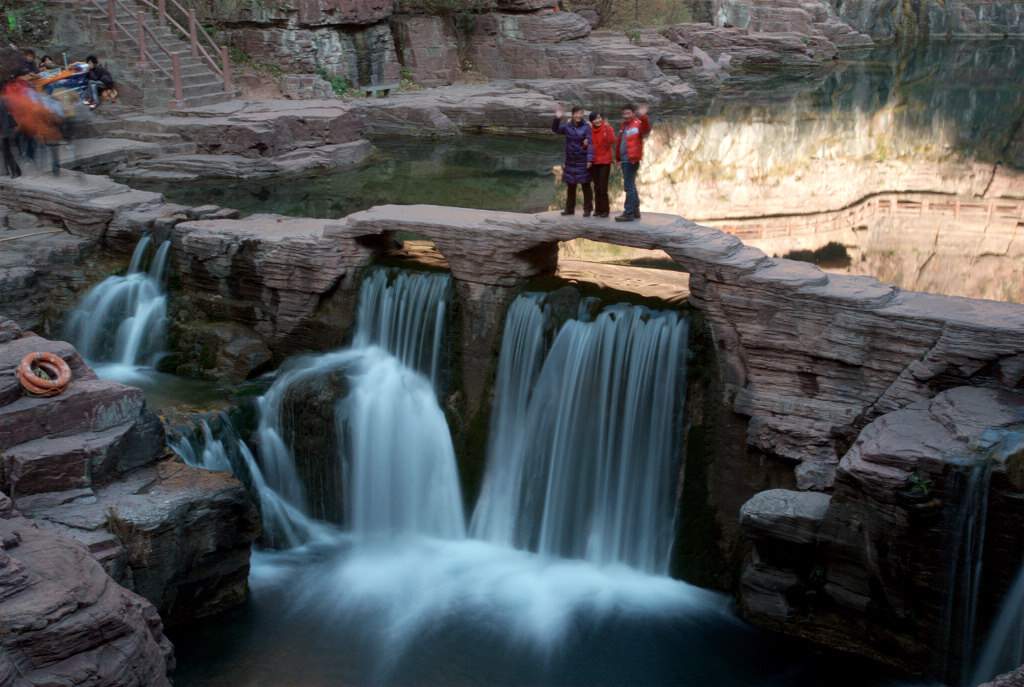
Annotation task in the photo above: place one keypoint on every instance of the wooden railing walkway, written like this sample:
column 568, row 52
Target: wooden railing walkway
column 170, row 48
column 856, row 216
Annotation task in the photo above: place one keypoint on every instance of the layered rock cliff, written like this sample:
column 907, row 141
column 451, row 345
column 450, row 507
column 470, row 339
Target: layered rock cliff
column 65, row 621
column 879, row 20
column 92, row 465
column 906, row 560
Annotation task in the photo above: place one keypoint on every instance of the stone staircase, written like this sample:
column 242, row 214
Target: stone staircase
column 201, row 85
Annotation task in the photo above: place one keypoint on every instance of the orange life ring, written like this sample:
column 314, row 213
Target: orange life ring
column 56, row 369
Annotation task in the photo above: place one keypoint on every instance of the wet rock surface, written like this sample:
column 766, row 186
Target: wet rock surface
column 91, row 464
column 873, row 567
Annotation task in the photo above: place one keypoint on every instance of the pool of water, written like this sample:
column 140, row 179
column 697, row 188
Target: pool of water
column 494, row 173
column 432, row 612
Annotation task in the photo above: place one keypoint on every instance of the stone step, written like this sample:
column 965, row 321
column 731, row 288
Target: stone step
column 163, row 137
column 66, row 462
column 201, row 84
column 42, row 465
column 204, row 87
column 206, row 99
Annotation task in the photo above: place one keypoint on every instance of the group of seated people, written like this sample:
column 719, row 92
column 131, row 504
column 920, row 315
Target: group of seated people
column 98, row 79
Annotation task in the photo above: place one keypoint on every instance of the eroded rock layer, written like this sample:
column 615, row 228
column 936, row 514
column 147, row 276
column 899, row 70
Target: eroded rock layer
column 92, row 465
column 65, row 621
column 909, row 558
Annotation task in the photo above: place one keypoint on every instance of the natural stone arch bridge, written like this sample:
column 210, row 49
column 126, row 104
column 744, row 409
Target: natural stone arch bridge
column 808, row 357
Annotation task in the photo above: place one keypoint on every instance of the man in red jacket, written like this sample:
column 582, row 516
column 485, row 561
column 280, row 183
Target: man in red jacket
column 629, row 149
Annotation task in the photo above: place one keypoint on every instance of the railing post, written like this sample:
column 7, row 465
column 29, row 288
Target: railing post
column 192, row 32
column 225, row 67
column 142, row 42
column 162, row 13
column 112, row 13
column 179, row 91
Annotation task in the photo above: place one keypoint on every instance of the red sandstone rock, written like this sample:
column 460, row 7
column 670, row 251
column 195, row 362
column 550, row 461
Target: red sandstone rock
column 788, row 16
column 429, row 48
column 1012, row 679
column 83, row 463
column 870, row 567
column 66, row 622
column 230, row 268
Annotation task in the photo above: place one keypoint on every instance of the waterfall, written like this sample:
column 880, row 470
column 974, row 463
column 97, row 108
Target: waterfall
column 1003, row 649
column 968, row 495
column 284, row 525
column 122, row 319
column 588, row 454
column 582, row 462
column 403, row 312
column 522, row 353
column 396, row 457
column 402, row 464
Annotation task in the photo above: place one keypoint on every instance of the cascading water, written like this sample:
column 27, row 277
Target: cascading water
column 1003, row 649
column 284, row 525
column 397, row 459
column 121, row 321
column 522, row 354
column 402, row 465
column 583, row 461
column 403, row 597
column 969, row 499
column 404, row 314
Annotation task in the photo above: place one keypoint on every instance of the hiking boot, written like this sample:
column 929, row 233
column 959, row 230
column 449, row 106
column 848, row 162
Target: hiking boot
column 586, row 213
column 624, row 218
column 568, row 212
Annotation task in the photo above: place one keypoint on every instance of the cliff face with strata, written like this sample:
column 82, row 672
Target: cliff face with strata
column 367, row 42
column 887, row 564
column 879, row 20
column 65, row 621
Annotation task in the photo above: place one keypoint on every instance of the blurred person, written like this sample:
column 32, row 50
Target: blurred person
column 38, row 117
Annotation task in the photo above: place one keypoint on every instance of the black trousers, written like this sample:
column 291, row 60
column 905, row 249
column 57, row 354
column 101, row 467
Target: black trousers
column 570, row 197
column 599, row 173
column 10, row 164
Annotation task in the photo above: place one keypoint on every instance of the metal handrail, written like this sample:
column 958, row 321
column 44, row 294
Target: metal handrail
column 194, row 31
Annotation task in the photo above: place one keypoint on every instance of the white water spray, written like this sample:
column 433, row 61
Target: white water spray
column 121, row 321
column 588, row 464
column 284, row 525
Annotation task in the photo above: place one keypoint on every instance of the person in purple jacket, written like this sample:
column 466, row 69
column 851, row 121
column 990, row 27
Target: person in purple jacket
column 579, row 156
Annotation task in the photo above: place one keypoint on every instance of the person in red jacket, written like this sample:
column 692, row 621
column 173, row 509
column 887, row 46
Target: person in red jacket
column 629, row 149
column 603, row 136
